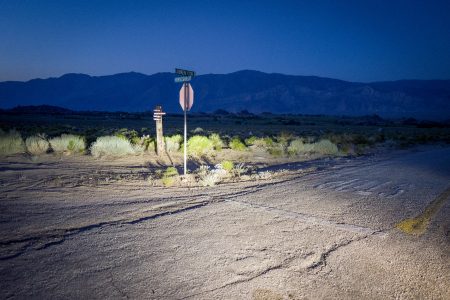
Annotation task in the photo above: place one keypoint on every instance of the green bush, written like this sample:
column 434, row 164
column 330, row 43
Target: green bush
column 173, row 143
column 217, row 141
column 111, row 146
column 68, row 143
column 228, row 165
column 251, row 140
column 37, row 144
column 199, row 146
column 148, row 143
column 11, row 143
column 130, row 135
column 237, row 144
column 169, row 176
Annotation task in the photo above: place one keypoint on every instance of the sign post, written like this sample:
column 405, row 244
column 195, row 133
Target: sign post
column 157, row 117
column 186, row 102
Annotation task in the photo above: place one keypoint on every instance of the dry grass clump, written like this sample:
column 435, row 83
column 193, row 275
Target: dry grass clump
column 37, row 144
column 170, row 176
column 210, row 177
column 112, row 146
column 11, row 143
column 68, row 143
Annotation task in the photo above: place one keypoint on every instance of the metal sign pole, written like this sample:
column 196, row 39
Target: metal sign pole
column 185, row 127
column 186, row 98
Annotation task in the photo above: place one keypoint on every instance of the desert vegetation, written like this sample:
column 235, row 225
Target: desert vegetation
column 11, row 143
column 223, row 147
column 37, row 144
column 112, row 146
column 68, row 143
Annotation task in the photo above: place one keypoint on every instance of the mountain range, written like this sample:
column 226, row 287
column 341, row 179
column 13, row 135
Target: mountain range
column 252, row 91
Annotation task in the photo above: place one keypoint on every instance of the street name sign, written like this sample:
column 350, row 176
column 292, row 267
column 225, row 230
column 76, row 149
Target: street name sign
column 183, row 79
column 184, row 72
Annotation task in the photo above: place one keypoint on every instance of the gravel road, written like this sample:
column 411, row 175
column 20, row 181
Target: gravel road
column 326, row 234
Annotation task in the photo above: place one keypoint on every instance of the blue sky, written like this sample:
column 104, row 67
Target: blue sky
column 350, row 40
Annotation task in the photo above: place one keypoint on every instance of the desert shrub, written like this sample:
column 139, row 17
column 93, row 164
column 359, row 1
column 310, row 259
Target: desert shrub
column 37, row 144
column 68, row 143
column 111, row 146
column 276, row 150
column 210, row 177
column 169, row 177
column 173, row 143
column 11, row 143
column 325, row 147
column 206, row 177
column 148, row 143
column 198, row 130
column 297, row 146
column 251, row 140
column 217, row 141
column 265, row 142
column 199, row 146
column 228, row 165
column 239, row 169
column 237, row 144
column 131, row 135
column 284, row 138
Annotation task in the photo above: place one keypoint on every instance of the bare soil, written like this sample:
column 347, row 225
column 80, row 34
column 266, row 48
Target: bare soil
column 76, row 227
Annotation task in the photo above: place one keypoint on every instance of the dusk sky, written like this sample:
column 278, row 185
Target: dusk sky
column 350, row 40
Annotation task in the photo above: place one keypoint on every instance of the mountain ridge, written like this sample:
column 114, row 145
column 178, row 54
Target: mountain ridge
column 249, row 90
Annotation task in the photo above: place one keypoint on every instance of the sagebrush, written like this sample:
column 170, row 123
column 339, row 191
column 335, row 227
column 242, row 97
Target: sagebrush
column 173, row 143
column 68, row 143
column 11, row 143
column 111, row 146
column 37, row 144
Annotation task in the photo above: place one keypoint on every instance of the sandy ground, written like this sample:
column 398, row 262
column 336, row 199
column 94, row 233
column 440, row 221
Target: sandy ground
column 326, row 234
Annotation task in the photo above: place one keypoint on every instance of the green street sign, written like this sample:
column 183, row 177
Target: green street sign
column 184, row 72
column 183, row 79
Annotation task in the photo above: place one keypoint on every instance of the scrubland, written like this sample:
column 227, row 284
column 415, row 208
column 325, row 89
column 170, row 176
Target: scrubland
column 221, row 147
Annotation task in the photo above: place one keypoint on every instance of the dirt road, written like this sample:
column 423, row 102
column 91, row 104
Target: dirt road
column 327, row 234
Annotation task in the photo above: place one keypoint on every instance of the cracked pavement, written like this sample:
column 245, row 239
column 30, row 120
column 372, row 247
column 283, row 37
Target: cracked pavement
column 327, row 234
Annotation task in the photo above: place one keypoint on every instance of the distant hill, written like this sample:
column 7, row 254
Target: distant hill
column 253, row 91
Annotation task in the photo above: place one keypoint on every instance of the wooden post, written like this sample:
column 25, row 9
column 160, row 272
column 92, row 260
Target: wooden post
column 157, row 116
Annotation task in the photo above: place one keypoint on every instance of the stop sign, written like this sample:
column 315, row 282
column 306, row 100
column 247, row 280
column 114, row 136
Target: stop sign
column 186, row 97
